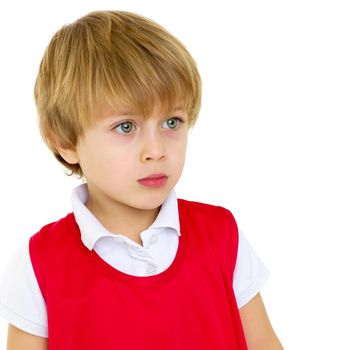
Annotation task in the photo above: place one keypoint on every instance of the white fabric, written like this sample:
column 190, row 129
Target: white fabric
column 22, row 304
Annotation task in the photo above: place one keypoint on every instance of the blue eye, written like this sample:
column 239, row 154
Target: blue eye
column 174, row 122
column 126, row 127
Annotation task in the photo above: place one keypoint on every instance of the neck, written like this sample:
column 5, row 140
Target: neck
column 118, row 218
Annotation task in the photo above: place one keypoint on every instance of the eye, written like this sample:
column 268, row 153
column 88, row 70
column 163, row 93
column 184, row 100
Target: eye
column 174, row 122
column 124, row 127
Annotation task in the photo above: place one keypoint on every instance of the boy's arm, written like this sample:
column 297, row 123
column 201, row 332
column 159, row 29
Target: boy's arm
column 20, row 340
column 257, row 327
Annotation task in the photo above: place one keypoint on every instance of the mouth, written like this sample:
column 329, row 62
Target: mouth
column 154, row 176
column 154, row 180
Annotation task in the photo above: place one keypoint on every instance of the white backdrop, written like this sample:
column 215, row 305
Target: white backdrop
column 271, row 143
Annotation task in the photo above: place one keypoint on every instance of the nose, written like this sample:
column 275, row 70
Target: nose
column 153, row 147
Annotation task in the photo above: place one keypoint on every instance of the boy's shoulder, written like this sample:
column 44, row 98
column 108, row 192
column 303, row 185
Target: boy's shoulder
column 219, row 225
column 203, row 209
column 199, row 205
column 55, row 228
column 195, row 204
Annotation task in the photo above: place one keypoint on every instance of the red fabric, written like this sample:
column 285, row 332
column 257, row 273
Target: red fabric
column 191, row 305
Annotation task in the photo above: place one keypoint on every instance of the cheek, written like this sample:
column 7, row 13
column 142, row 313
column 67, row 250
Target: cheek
column 178, row 153
column 98, row 158
column 181, row 140
column 177, row 139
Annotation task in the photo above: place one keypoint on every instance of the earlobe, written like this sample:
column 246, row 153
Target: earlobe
column 70, row 155
column 66, row 150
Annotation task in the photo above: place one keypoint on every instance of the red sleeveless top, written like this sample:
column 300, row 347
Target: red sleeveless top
column 190, row 305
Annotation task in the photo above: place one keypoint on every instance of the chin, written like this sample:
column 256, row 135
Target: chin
column 152, row 201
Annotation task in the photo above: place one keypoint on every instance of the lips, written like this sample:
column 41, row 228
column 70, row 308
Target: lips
column 154, row 180
column 154, row 176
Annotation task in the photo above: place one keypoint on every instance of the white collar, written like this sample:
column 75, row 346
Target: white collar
column 92, row 230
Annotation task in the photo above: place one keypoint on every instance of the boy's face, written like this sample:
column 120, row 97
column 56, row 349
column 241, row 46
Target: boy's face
column 122, row 148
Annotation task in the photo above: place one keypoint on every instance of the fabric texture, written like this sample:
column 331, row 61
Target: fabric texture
column 21, row 301
column 190, row 305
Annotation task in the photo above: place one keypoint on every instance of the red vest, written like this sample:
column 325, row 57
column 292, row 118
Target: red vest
column 190, row 305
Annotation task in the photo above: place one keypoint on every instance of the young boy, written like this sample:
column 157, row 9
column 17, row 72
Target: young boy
column 133, row 266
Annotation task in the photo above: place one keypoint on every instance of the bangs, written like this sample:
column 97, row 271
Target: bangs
column 137, row 65
column 142, row 93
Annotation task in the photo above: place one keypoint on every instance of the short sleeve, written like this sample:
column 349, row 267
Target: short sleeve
column 250, row 273
column 21, row 302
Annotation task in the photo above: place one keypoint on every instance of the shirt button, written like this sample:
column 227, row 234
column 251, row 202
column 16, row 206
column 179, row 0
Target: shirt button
column 154, row 239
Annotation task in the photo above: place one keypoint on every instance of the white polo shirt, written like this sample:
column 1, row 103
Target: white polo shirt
column 21, row 301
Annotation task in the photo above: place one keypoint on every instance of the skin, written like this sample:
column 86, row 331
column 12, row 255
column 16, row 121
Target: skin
column 113, row 157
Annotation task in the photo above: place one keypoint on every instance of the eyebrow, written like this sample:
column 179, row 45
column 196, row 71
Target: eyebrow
column 180, row 108
column 122, row 113
column 132, row 113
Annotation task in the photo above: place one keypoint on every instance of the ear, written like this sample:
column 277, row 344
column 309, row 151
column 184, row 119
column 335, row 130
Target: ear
column 70, row 155
column 66, row 149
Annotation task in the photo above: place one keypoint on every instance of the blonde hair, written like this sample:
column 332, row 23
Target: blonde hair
column 109, row 57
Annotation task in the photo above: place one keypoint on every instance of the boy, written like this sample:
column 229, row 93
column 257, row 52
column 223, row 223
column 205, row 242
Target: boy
column 133, row 266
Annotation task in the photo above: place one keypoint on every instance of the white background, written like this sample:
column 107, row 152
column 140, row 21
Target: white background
column 271, row 144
